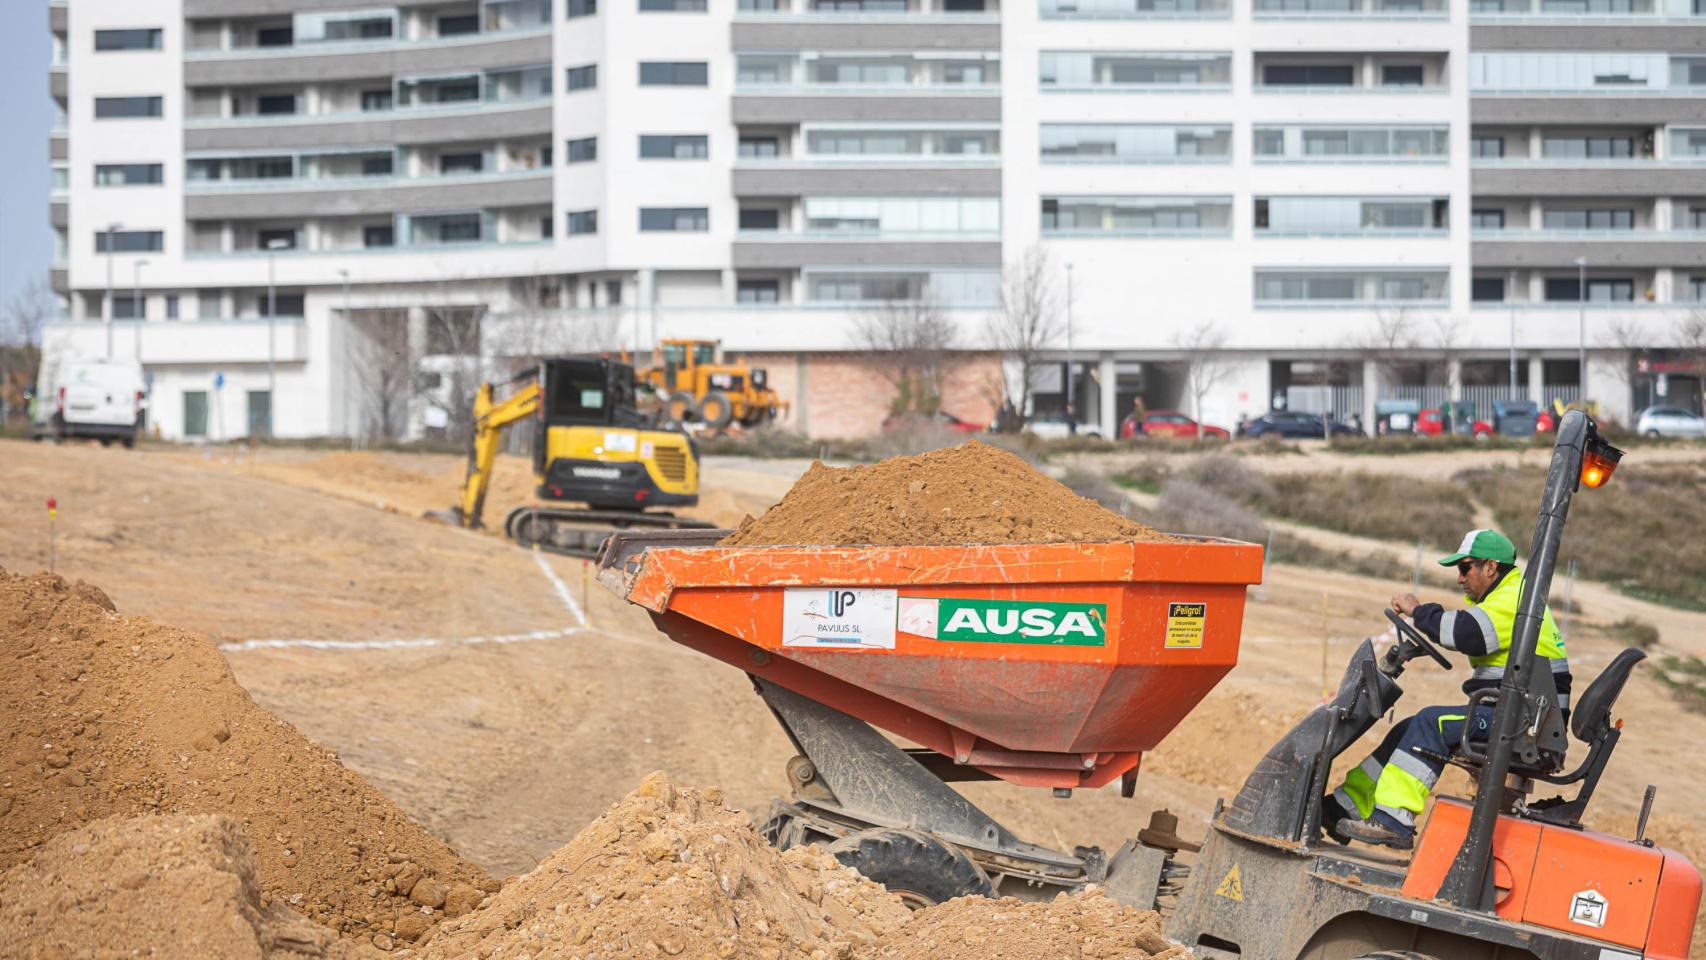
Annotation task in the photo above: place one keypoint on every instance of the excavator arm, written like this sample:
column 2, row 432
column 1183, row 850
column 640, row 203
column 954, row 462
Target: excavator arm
column 491, row 418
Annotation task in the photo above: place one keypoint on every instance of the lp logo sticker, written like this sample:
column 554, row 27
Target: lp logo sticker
column 1588, row 909
column 840, row 600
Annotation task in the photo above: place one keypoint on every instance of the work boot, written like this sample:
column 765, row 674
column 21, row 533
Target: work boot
column 1376, row 833
column 1332, row 815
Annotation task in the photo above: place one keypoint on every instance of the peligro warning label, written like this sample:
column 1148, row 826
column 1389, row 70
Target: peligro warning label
column 1185, row 625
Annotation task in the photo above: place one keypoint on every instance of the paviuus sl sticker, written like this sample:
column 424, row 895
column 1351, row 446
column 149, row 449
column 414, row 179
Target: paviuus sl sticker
column 838, row 618
column 1005, row 621
column 1588, row 908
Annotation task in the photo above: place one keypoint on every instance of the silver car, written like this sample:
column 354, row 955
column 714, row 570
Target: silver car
column 1670, row 422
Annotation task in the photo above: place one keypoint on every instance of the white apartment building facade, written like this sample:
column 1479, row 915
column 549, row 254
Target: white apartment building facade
column 1336, row 201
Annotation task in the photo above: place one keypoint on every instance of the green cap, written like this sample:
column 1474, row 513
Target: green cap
column 1482, row 545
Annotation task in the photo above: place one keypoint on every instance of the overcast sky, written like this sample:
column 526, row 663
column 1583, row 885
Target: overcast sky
column 26, row 116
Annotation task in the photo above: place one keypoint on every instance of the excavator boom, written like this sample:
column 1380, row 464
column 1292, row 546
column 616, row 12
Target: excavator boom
column 491, row 418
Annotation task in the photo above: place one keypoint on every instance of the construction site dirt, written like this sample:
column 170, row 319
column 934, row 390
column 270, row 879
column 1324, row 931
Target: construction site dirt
column 503, row 702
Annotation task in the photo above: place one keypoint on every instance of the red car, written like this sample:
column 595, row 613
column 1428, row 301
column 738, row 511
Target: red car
column 1430, row 424
column 1172, row 423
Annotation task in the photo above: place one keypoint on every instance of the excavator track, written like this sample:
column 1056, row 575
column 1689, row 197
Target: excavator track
column 579, row 532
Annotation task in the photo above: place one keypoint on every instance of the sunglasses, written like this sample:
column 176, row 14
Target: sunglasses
column 1464, row 566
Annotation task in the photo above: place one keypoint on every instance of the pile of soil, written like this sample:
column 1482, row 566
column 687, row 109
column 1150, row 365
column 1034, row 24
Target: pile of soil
column 671, row 872
column 169, row 886
column 970, row 494
column 1078, row 927
column 104, row 715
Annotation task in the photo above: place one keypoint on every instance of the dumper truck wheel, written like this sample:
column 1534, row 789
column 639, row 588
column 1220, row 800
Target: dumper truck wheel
column 716, row 409
column 916, row 867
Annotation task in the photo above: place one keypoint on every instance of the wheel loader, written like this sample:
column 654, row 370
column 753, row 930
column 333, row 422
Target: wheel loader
column 1121, row 641
column 696, row 386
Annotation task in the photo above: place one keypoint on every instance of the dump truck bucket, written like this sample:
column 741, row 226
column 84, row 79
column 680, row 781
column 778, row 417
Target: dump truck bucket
column 1047, row 664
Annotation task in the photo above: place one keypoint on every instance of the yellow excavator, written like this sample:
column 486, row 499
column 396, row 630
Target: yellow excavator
column 591, row 445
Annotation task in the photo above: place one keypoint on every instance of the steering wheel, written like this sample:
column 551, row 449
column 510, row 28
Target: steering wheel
column 1417, row 637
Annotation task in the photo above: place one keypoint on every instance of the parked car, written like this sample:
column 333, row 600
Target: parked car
column 941, row 418
column 1053, row 426
column 1294, row 425
column 1172, row 423
column 1670, row 422
column 1429, row 423
column 100, row 399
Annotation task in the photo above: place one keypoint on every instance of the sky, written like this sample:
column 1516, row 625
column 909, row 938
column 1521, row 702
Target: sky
column 26, row 116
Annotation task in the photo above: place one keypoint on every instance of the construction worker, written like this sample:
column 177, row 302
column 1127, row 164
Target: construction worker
column 1380, row 799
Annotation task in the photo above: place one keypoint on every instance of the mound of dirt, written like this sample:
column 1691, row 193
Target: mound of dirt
column 168, row 886
column 672, row 872
column 104, row 715
column 1072, row 927
column 972, row 493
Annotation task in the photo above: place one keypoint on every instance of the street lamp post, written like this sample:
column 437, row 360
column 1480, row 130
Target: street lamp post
column 348, row 320
column 1582, row 331
column 1513, row 355
column 273, row 245
column 1071, row 408
column 141, row 312
column 112, row 239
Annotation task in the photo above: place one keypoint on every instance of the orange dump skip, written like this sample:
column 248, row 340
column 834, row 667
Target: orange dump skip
column 1046, row 664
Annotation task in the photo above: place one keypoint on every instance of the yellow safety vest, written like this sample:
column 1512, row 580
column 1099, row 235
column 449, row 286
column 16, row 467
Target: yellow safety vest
column 1498, row 613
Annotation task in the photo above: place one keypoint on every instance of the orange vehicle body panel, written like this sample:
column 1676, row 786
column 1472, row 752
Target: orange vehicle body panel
column 1650, row 896
column 1034, row 712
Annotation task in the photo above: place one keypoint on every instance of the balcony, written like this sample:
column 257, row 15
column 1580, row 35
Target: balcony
column 349, row 196
column 786, row 251
column 775, row 326
column 323, row 62
column 1644, row 248
column 475, row 120
column 791, row 177
column 1136, row 10
column 187, row 342
column 1381, row 10
column 1586, row 178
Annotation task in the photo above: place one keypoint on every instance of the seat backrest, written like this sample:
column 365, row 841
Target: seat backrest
column 1592, row 716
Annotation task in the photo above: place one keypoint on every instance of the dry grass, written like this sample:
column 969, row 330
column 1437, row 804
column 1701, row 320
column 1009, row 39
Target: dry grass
column 1686, row 678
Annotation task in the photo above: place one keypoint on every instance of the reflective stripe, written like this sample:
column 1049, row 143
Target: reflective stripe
column 1360, row 784
column 1560, row 665
column 1491, row 672
column 1447, row 718
column 1348, row 803
column 1489, row 633
column 1399, row 789
column 1399, row 814
column 1448, row 630
column 1416, row 767
column 1564, row 701
column 1371, row 767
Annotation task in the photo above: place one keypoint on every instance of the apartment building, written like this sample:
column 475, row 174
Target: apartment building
column 1314, row 203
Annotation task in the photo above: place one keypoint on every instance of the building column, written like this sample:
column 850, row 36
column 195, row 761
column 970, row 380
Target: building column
column 1454, row 379
column 645, row 317
column 1536, row 380
column 731, row 288
column 1370, row 392
column 1107, row 373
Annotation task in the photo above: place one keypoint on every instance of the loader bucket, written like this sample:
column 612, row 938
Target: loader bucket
column 1049, row 664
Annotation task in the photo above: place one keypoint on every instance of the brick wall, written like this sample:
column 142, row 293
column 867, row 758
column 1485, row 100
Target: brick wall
column 847, row 397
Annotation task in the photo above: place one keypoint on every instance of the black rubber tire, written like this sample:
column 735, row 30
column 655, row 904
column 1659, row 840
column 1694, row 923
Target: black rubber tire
column 1397, row 955
column 916, row 867
column 681, row 408
column 716, row 409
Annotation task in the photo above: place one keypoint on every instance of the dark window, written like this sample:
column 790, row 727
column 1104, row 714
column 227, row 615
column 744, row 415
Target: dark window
column 128, row 174
column 275, row 36
column 284, row 238
column 758, row 291
column 284, row 304
column 584, row 150
column 460, row 229
column 760, row 219
column 963, row 6
column 577, row 393
column 547, row 227
column 384, row 235
column 1604, row 219
column 376, row 166
column 113, row 108
column 1487, row 147
column 131, row 241
column 582, row 8
column 1308, row 75
column 675, row 219
column 1400, row 76
column 461, row 162
column 613, row 292
column 375, row 99
column 673, row 147
column 1486, row 289
column 275, row 103
column 665, row 73
column 458, row 25
column 672, row 6
column 1566, row 290
column 583, row 222
column 456, row 91
column 172, row 307
column 1487, row 219
column 127, row 307
column 759, row 146
column 147, row 39
column 583, row 78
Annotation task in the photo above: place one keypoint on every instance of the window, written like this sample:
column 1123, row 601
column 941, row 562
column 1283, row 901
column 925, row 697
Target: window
column 583, row 78
column 583, row 222
column 673, row 147
column 1137, row 215
column 280, row 239
column 1268, row 143
column 458, row 25
column 771, row 146
column 1697, row 289
column 282, row 36
column 760, row 219
column 379, row 235
column 547, row 227
column 1602, row 219
column 1308, row 75
column 380, row 166
column 375, row 100
column 462, row 228
column 1487, row 147
column 769, row 6
column 457, row 91
column 1486, row 219
column 144, row 39
column 1405, row 75
column 758, row 291
column 1588, row 147
column 1134, row 143
column 128, row 174
column 195, row 413
column 1134, row 69
column 903, row 215
column 584, row 150
column 582, row 8
column 1487, row 289
column 171, row 306
column 259, row 410
column 664, row 73
column 131, row 241
column 275, row 103
column 1688, row 143
column 1600, row 290
column 672, row 6
column 118, row 108
column 1696, row 219
column 128, row 307
column 1277, row 287
column 461, row 162
column 676, row 219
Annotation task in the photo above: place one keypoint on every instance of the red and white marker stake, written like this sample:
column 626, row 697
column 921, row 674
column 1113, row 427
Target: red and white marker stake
column 52, row 515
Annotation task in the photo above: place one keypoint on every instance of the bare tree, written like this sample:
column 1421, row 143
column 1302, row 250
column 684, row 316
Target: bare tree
column 454, row 340
column 1629, row 337
column 909, row 343
column 1028, row 324
column 1690, row 336
column 1391, row 341
column 538, row 323
column 383, row 362
column 21, row 324
column 1204, row 362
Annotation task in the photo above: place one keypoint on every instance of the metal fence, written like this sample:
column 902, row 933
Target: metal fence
column 1483, row 396
column 1568, row 393
column 1341, row 403
column 1427, row 396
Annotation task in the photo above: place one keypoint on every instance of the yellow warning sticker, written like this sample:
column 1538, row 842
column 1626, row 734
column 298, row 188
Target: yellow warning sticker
column 1232, row 888
column 1185, row 625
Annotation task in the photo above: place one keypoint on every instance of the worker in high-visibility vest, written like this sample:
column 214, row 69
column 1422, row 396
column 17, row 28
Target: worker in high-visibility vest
column 1379, row 801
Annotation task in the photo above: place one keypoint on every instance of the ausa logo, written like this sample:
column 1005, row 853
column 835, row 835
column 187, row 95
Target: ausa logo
column 1005, row 621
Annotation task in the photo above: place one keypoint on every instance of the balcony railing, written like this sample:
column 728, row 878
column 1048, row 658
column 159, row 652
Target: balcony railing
column 790, row 89
column 1365, row 233
column 1415, row 90
column 321, row 48
column 866, row 236
column 1607, row 235
column 402, row 246
column 286, row 184
column 1351, row 10
column 521, row 102
column 907, row 17
column 934, row 161
column 187, row 341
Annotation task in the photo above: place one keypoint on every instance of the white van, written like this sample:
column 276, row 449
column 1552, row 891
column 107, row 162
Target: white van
column 101, row 399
